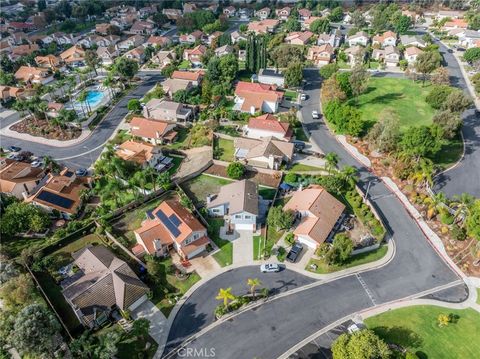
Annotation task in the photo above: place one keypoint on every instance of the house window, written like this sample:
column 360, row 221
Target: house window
column 248, row 217
column 216, row 210
column 238, row 216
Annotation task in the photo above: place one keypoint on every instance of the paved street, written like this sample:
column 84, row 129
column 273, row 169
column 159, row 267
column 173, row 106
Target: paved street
column 284, row 322
column 86, row 152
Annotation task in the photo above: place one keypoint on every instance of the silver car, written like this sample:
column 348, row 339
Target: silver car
column 269, row 268
column 315, row 114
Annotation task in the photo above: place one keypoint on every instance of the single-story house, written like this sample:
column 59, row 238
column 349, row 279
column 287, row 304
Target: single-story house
column 160, row 109
column 263, row 27
column 409, row 40
column 141, row 153
column 271, row 77
column 267, row 126
column 298, row 37
column 266, row 152
column 156, row 132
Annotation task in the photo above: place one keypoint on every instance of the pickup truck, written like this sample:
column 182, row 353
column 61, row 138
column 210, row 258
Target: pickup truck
column 294, row 252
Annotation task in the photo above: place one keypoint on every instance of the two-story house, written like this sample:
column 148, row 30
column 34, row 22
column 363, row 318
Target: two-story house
column 74, row 56
column 34, row 75
column 141, row 153
column 195, row 55
column 237, row 203
column 266, row 152
column 388, row 38
column 283, row 13
column 160, row 109
column 263, row 13
column 171, row 226
column 320, row 55
column 360, row 38
column 19, row 179
column 156, row 132
column 254, row 97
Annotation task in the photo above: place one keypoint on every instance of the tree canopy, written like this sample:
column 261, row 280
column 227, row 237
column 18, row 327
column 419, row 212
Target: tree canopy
column 364, row 344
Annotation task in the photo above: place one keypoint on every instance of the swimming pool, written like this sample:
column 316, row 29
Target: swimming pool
column 94, row 98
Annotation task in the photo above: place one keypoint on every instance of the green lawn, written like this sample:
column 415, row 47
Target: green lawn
column 12, row 247
column 300, row 167
column 257, row 242
column 182, row 139
column 290, row 95
column 300, row 134
column 201, row 186
column 342, row 64
column 267, row 192
column 185, row 64
column 224, row 150
column 403, row 97
column 449, row 153
column 362, row 258
column 416, row 328
column 273, row 236
column 170, row 287
column 224, row 257
column 478, row 295
column 177, row 161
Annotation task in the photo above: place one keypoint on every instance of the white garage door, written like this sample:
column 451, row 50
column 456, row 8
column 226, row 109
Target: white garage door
column 244, row 227
column 308, row 242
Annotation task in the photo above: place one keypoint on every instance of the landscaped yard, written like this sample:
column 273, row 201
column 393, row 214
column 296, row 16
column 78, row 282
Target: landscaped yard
column 170, row 286
column 290, row 95
column 300, row 134
column 257, row 243
column 403, row 97
column 416, row 328
column 362, row 258
column 201, row 186
column 224, row 257
column 300, row 167
column 449, row 153
column 13, row 247
column 185, row 64
column 266, row 192
column 182, row 139
column 224, row 150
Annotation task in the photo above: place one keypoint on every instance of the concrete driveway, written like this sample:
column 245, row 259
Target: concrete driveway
column 158, row 322
column 243, row 248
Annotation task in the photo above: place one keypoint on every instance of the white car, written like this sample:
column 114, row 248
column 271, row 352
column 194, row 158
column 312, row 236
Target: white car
column 35, row 164
column 355, row 327
column 303, row 97
column 269, row 268
column 315, row 114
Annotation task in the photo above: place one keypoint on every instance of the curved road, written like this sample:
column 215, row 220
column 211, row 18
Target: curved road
column 274, row 327
column 86, row 152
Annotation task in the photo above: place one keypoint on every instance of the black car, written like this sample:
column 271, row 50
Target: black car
column 14, row 149
column 81, row 172
column 450, row 51
column 294, row 252
column 299, row 145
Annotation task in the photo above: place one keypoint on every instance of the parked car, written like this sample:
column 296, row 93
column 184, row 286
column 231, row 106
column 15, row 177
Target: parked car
column 14, row 149
column 36, row 163
column 303, row 96
column 294, row 252
column 14, row 156
column 299, row 145
column 355, row 327
column 81, row 172
column 315, row 114
column 450, row 51
column 269, row 268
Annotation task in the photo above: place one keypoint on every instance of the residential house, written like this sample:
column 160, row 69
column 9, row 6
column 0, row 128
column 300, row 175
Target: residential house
column 254, row 97
column 159, row 41
column 141, row 153
column 107, row 54
column 131, row 42
column 163, row 58
column 213, row 37
column 458, row 32
column 137, row 54
column 195, row 55
column 333, row 39
column 452, row 14
column 236, row 37
column 271, row 77
column 390, row 55
column 229, row 11
column 299, row 37
column 34, row 75
column 266, row 152
column 103, row 29
column 104, row 283
column 18, row 179
column 223, row 50
column 388, row 38
column 360, row 38
column 245, row 13
column 237, row 203
column 97, row 40
column 146, row 11
column 469, row 39
column 283, row 14
column 411, row 54
column 51, row 62
column 307, row 22
column 62, row 38
column 142, row 28
column 408, row 40
column 189, row 7
column 262, row 14
column 9, row 92
column 320, row 214
column 320, row 55
column 263, row 27
column 304, row 14
column 74, row 56
column 156, row 132
column 23, row 50
column 172, row 14
column 192, row 37
column 171, row 86
column 195, row 77
column 267, row 126
column 355, row 54
column 160, row 109
column 20, row 38
column 62, row 193
column 455, row 24
column 168, row 226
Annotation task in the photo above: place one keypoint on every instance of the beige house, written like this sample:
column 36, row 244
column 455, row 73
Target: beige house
column 299, row 37
column 171, row 86
column 356, row 54
column 142, row 153
column 411, row 53
column 265, row 152
column 320, row 55
column 160, row 109
column 74, row 56
column 18, row 179
column 156, row 132
column 163, row 58
column 34, row 75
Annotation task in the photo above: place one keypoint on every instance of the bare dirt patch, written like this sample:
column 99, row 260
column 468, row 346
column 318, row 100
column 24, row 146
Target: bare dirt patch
column 45, row 129
column 263, row 179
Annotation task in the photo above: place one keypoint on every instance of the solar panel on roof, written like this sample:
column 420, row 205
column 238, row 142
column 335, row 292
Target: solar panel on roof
column 68, row 174
column 166, row 221
column 55, row 199
column 174, row 219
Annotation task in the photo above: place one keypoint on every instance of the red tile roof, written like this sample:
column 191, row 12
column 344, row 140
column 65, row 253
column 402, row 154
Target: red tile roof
column 268, row 122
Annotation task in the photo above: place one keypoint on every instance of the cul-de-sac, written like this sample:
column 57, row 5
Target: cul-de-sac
column 240, row 179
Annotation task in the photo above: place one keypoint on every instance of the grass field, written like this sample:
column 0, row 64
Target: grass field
column 182, row 139
column 185, row 64
column 300, row 134
column 478, row 295
column 224, row 150
column 257, row 242
column 300, row 167
column 199, row 187
column 416, row 328
column 449, row 153
column 224, row 257
column 362, row 258
column 403, row 97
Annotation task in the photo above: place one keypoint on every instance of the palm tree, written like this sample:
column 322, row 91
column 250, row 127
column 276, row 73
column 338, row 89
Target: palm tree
column 253, row 283
column 151, row 174
column 51, row 164
column 108, row 83
column 112, row 190
column 423, row 174
column 331, row 159
column 83, row 99
column 462, row 205
column 349, row 175
column 163, row 180
column 140, row 179
column 225, row 295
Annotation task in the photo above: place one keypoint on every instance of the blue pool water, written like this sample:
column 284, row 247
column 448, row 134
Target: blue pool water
column 94, row 98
